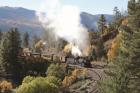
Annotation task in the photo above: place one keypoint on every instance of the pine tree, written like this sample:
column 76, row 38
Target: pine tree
column 9, row 51
column 127, row 75
column 26, row 40
column 118, row 18
column 99, row 50
column 117, row 13
column 117, row 79
column 130, row 47
column 102, row 23
column 134, row 50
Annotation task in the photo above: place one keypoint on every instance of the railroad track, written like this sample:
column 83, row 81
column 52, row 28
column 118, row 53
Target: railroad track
column 99, row 77
column 95, row 75
column 89, row 69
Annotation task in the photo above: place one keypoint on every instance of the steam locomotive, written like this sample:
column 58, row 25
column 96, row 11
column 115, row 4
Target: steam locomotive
column 70, row 59
column 81, row 61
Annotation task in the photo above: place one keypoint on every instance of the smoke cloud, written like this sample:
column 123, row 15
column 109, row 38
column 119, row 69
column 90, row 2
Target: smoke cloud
column 65, row 22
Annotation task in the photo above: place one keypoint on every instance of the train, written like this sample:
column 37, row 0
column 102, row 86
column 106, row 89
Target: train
column 70, row 59
column 60, row 57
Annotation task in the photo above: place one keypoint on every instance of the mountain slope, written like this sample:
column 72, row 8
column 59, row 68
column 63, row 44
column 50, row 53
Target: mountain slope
column 23, row 19
column 26, row 20
column 90, row 21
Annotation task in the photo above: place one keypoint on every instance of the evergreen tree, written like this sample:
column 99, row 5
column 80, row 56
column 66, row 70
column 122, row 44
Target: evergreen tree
column 129, row 53
column 117, row 79
column 26, row 40
column 111, row 26
column 92, row 35
column 117, row 72
column 9, row 51
column 134, row 50
column 118, row 18
column 117, row 13
column 102, row 23
column 99, row 50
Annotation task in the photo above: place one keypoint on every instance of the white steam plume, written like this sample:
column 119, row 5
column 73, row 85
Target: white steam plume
column 66, row 23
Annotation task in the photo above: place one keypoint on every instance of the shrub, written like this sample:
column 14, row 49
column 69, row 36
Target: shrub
column 65, row 82
column 5, row 86
column 28, row 79
column 49, row 84
column 53, row 80
column 68, row 80
column 75, row 72
column 85, row 73
column 56, row 70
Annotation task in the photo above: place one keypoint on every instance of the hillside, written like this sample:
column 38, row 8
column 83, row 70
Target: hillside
column 19, row 17
column 90, row 21
column 26, row 20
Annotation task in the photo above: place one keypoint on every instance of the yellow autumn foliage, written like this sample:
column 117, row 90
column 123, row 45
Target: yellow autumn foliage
column 5, row 86
column 65, row 82
column 85, row 72
column 113, row 51
column 75, row 72
column 125, row 22
column 69, row 80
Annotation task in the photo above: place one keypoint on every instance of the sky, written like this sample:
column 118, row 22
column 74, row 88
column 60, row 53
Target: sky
column 90, row 6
